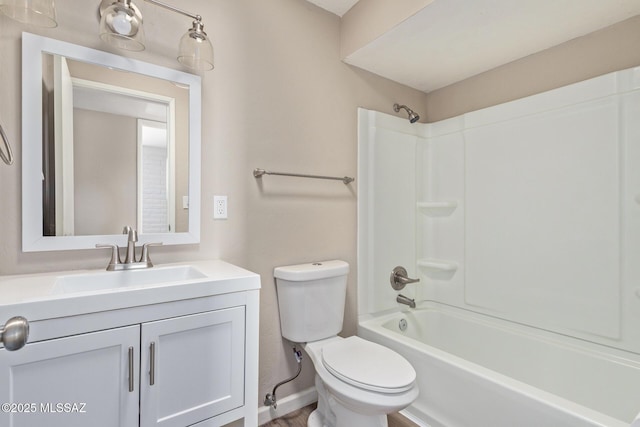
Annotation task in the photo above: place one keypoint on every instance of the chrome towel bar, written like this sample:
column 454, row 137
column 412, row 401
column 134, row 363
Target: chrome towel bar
column 259, row 172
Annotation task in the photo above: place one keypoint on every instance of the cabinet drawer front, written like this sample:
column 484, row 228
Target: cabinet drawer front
column 198, row 367
column 77, row 381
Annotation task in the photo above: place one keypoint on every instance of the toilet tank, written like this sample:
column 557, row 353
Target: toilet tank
column 311, row 299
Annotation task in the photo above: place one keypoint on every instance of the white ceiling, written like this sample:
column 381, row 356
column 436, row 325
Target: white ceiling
column 338, row 7
column 451, row 40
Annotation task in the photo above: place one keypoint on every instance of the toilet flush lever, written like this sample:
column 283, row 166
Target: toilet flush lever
column 399, row 278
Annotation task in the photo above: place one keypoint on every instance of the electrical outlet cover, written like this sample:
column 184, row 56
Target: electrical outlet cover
column 220, row 207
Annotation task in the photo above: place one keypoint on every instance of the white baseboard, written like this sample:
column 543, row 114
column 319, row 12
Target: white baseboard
column 287, row 404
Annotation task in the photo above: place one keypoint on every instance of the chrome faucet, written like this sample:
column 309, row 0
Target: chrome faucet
column 130, row 262
column 406, row 301
column 132, row 238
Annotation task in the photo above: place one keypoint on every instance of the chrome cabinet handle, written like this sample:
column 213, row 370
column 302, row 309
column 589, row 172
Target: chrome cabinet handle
column 152, row 363
column 131, row 377
column 15, row 333
column 399, row 278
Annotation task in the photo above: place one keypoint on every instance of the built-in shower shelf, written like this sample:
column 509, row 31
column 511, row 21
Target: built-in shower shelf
column 437, row 268
column 436, row 264
column 438, row 208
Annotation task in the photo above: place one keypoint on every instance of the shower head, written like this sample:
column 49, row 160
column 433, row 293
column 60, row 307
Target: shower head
column 413, row 117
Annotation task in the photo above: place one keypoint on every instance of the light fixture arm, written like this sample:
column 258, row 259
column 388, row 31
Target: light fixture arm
column 121, row 26
column 175, row 9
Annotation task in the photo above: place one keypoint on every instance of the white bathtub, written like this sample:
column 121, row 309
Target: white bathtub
column 477, row 371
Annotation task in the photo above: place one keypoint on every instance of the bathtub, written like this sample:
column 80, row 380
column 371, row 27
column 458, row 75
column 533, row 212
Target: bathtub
column 478, row 371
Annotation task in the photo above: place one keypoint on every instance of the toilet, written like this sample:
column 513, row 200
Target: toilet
column 358, row 382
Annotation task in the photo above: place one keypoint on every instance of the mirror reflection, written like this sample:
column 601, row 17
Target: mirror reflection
column 107, row 141
column 115, row 150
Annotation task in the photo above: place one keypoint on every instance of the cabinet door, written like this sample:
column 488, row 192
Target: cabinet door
column 197, row 367
column 77, row 381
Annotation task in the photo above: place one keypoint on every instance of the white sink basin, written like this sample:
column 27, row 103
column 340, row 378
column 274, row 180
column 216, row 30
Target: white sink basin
column 128, row 278
column 61, row 294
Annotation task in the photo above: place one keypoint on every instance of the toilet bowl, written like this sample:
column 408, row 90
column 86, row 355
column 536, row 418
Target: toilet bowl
column 367, row 379
column 358, row 382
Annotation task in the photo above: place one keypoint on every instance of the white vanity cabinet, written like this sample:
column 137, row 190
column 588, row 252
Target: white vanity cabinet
column 173, row 363
column 75, row 381
column 192, row 367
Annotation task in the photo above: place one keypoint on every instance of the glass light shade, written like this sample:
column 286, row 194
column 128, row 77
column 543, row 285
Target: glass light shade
column 121, row 26
column 36, row 12
column 196, row 51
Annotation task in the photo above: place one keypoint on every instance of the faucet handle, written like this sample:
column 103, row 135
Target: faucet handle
column 115, row 255
column 399, row 278
column 145, row 253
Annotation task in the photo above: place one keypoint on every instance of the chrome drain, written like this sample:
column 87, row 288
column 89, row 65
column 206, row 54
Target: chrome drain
column 402, row 325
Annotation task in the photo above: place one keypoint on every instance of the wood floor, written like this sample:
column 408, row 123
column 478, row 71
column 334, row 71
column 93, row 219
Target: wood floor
column 299, row 419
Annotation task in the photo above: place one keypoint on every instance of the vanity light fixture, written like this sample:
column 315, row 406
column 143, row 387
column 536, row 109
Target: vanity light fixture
column 41, row 13
column 121, row 26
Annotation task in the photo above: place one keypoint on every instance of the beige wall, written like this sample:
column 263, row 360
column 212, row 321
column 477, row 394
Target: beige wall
column 279, row 99
column 610, row 49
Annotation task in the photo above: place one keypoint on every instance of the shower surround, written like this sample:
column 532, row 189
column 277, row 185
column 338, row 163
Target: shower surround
column 526, row 213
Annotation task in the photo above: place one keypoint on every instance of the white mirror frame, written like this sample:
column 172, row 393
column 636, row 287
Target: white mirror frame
column 33, row 240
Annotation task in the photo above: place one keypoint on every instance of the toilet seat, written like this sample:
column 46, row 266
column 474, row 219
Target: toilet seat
column 368, row 366
column 353, row 397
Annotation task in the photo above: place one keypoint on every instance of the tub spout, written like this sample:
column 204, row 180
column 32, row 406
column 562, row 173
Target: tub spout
column 406, row 301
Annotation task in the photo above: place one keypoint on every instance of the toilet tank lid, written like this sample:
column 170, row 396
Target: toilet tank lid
column 312, row 271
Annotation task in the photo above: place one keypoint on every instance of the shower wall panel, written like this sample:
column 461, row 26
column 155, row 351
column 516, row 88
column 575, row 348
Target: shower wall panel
column 386, row 187
column 542, row 217
column 440, row 212
column 528, row 211
column 544, row 220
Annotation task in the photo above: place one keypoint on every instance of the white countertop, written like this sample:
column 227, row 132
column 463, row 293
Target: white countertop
column 37, row 296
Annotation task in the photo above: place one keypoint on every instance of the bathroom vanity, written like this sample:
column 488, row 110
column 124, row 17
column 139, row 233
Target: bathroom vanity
column 174, row 345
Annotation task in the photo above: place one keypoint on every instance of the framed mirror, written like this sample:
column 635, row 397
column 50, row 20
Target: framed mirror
column 108, row 141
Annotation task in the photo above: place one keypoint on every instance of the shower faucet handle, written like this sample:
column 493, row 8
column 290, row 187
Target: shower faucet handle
column 399, row 278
